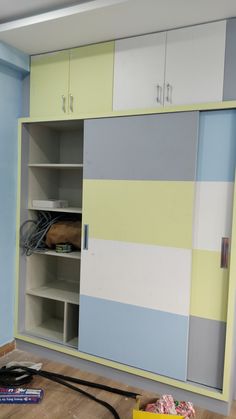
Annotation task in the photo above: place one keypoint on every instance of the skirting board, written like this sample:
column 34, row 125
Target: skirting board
column 204, row 402
column 9, row 347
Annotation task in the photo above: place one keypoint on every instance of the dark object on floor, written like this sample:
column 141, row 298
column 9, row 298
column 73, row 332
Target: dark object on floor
column 20, row 396
column 16, row 376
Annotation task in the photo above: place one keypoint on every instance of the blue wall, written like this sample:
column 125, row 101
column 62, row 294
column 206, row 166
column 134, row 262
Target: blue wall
column 11, row 84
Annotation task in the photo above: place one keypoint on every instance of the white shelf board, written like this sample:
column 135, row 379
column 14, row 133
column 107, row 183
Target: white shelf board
column 74, row 210
column 51, row 329
column 55, row 166
column 58, row 290
column 71, row 255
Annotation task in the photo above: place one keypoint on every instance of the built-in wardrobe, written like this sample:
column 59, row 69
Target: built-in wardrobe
column 151, row 291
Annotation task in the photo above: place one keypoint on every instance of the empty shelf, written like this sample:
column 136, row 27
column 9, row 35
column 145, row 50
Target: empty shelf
column 58, row 290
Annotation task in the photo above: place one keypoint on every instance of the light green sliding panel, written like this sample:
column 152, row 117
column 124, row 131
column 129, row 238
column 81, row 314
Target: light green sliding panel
column 212, row 225
column 140, row 211
column 49, row 80
column 138, row 198
column 91, row 78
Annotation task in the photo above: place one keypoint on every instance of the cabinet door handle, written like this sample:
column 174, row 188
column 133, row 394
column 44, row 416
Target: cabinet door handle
column 71, row 103
column 63, row 103
column 159, row 93
column 224, row 259
column 168, row 92
column 86, row 232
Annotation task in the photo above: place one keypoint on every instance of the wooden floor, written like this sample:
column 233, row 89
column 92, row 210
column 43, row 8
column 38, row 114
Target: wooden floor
column 62, row 403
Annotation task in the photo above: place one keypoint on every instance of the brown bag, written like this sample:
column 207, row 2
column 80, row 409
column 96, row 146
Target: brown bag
column 64, row 232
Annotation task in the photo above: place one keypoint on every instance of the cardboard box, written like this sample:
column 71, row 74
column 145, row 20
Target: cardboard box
column 140, row 414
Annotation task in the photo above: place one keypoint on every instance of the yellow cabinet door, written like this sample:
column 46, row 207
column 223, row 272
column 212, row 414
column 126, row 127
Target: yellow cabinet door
column 49, row 83
column 91, row 78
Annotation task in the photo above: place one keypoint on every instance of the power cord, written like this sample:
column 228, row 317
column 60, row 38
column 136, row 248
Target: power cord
column 33, row 232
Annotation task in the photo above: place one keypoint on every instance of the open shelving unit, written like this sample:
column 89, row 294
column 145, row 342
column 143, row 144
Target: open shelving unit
column 51, row 168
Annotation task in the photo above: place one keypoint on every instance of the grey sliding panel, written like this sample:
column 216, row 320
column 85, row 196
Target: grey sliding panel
column 229, row 92
column 146, row 147
column 206, row 351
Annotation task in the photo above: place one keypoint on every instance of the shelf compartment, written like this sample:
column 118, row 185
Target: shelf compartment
column 58, row 142
column 49, row 184
column 45, row 318
column 71, row 327
column 58, row 290
column 74, row 343
column 54, row 277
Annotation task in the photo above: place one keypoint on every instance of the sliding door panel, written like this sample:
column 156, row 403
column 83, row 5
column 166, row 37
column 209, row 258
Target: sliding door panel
column 136, row 269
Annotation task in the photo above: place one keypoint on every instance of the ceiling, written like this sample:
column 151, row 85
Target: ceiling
column 12, row 10
column 48, row 25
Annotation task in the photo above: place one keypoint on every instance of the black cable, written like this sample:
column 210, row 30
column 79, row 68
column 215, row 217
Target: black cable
column 33, row 232
column 20, row 375
column 95, row 385
column 85, row 393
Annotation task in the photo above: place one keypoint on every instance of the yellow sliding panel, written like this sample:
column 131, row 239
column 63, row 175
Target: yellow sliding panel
column 209, row 294
column 149, row 212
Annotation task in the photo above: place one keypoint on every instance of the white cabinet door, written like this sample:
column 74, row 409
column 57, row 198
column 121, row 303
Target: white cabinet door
column 139, row 72
column 195, row 64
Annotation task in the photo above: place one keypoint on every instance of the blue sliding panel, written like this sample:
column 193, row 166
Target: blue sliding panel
column 214, row 196
column 138, row 336
column 217, row 146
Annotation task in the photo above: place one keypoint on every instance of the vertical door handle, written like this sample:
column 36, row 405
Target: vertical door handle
column 71, row 103
column 168, row 96
column 86, row 232
column 63, row 103
column 159, row 94
column 224, row 259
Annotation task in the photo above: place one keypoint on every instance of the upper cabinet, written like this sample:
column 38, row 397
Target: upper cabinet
column 176, row 67
column 49, row 81
column 139, row 71
column 195, row 64
column 73, row 81
column 91, row 78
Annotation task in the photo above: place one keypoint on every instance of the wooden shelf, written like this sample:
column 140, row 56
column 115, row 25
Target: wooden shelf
column 72, row 255
column 74, row 210
column 58, row 290
column 55, row 166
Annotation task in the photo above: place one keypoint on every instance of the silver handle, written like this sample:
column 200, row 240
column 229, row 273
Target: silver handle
column 159, row 93
column 71, row 103
column 86, row 232
column 63, row 103
column 167, row 98
column 171, row 92
column 224, row 259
